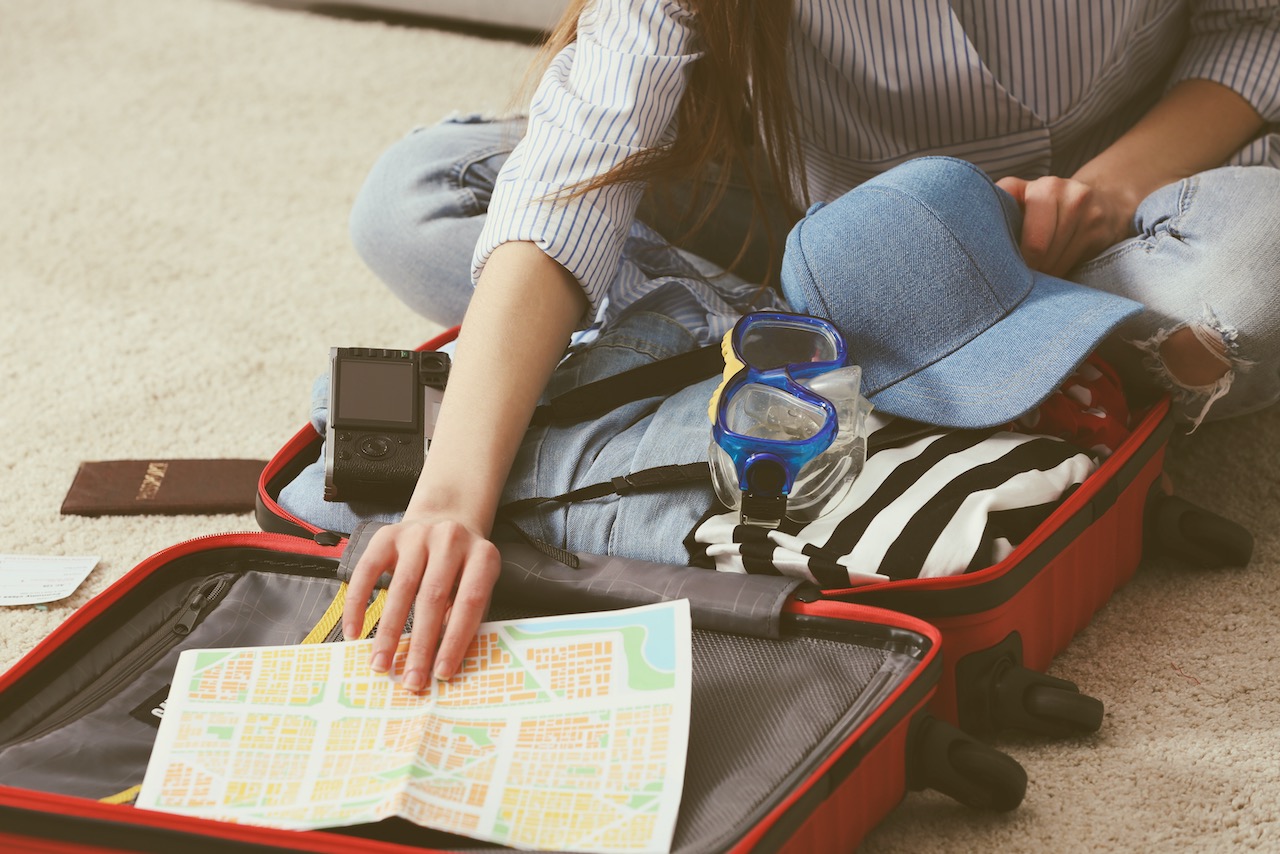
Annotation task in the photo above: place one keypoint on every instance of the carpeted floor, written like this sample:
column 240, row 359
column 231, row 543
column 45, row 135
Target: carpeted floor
column 174, row 266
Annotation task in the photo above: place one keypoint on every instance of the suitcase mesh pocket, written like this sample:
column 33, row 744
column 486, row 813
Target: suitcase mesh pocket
column 764, row 711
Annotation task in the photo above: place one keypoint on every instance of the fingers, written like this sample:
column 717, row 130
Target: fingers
column 1064, row 222
column 1015, row 187
column 1056, row 224
column 406, row 575
column 441, row 569
column 470, row 603
column 379, row 553
column 434, row 594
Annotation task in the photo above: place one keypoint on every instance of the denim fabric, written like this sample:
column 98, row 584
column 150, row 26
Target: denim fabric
column 554, row 459
column 639, row 435
column 419, row 214
column 1207, row 256
column 414, row 223
column 421, row 209
column 919, row 268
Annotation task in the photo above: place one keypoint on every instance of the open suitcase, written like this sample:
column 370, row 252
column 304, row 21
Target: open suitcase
column 1001, row 626
column 809, row 717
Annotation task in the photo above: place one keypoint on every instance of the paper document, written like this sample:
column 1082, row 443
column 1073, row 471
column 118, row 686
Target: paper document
column 34, row 579
column 564, row 732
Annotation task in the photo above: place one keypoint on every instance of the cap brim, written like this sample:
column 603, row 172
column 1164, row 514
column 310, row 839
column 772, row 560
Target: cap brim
column 1014, row 365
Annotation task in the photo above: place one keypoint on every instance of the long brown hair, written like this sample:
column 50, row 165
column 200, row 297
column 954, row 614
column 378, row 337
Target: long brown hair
column 737, row 97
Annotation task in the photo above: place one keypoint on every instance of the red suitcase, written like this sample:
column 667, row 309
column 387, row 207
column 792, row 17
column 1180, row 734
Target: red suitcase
column 1001, row 625
column 831, row 742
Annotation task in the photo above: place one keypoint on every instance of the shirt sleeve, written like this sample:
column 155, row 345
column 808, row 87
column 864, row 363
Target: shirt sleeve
column 610, row 94
column 1236, row 43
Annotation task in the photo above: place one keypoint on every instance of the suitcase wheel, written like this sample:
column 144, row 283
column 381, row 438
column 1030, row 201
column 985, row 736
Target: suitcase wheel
column 995, row 693
column 944, row 758
column 1061, row 711
column 1030, row 701
column 1178, row 528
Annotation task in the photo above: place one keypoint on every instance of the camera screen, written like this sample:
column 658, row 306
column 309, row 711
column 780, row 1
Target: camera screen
column 375, row 391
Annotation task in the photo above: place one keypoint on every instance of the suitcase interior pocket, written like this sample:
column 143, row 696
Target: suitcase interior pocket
column 83, row 722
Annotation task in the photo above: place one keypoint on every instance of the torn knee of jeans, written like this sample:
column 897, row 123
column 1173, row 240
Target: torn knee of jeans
column 1195, row 361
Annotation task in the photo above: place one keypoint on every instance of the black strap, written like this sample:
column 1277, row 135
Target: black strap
column 664, row 376
column 564, row 556
column 652, row 478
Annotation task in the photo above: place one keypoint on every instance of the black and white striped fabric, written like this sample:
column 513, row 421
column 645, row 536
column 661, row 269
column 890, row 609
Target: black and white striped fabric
column 942, row 504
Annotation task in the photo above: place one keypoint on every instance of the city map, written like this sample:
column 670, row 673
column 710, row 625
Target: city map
column 563, row 732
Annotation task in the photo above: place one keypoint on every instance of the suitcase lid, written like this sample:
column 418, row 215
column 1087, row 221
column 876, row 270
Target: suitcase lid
column 811, row 637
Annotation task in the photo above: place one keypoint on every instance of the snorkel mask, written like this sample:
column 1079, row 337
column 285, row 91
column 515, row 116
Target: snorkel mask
column 788, row 424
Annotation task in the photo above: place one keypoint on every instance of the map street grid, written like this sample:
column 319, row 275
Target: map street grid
column 563, row 732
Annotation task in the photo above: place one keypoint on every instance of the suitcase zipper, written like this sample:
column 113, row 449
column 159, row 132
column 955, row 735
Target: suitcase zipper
column 196, row 604
column 208, row 594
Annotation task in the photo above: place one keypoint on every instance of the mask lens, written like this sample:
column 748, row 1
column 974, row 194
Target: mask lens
column 760, row 411
column 765, row 346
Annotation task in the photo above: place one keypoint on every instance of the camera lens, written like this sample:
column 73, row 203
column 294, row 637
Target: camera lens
column 374, row 447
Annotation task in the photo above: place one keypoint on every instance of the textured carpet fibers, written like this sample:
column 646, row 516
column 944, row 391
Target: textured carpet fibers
column 174, row 266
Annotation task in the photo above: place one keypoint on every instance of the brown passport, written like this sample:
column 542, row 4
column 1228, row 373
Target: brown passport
column 135, row 487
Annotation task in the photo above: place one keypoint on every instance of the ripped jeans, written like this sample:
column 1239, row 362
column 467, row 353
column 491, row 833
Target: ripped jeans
column 1206, row 257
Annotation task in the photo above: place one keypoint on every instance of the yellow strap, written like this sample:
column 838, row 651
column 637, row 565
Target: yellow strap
column 732, row 365
column 127, row 796
column 330, row 617
column 334, row 613
column 373, row 613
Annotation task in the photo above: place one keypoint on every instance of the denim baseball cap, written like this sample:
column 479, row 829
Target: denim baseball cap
column 919, row 269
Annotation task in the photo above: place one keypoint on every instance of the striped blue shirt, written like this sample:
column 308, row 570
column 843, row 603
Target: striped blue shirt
column 1018, row 87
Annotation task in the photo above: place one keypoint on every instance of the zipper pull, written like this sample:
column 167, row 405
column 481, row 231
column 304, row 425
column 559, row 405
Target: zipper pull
column 187, row 619
column 189, row 615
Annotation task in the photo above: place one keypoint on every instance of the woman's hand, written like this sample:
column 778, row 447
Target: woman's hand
column 1066, row 222
column 1070, row 220
column 446, row 571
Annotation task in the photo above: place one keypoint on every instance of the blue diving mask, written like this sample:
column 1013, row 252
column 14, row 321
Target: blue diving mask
column 788, row 421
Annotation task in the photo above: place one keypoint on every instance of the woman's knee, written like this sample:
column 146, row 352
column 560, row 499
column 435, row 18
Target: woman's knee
column 1228, row 222
column 420, row 211
column 1207, row 266
column 441, row 172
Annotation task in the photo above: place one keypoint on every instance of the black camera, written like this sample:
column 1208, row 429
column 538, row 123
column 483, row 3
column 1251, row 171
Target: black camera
column 382, row 414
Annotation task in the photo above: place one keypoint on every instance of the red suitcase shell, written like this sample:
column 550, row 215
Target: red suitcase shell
column 1003, row 625
column 830, row 802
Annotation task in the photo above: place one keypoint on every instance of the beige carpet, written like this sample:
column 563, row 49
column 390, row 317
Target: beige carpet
column 174, row 265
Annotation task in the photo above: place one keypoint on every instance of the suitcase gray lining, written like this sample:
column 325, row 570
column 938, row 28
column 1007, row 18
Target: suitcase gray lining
column 105, row 751
column 764, row 712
